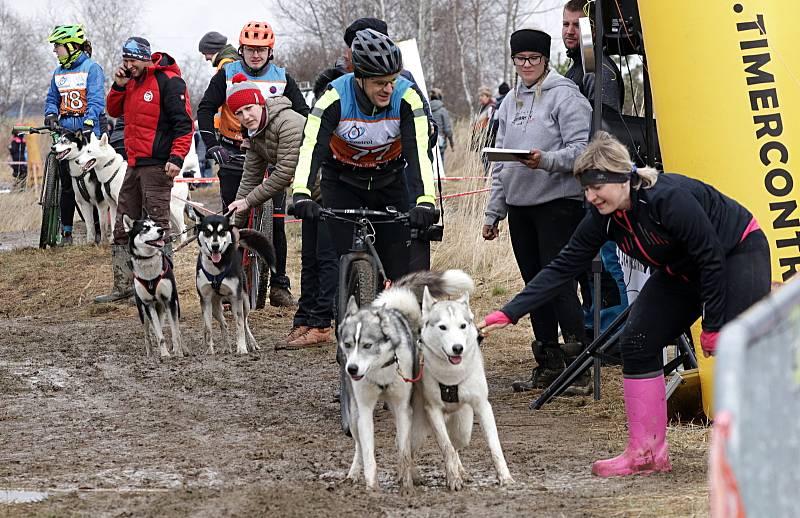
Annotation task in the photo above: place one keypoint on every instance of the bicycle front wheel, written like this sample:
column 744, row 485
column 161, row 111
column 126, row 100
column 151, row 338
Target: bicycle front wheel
column 50, row 203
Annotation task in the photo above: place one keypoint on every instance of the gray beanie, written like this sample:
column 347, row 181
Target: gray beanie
column 212, row 42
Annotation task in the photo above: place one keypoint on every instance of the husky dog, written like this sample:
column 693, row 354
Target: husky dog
column 454, row 386
column 379, row 344
column 154, row 285
column 87, row 186
column 220, row 277
column 110, row 167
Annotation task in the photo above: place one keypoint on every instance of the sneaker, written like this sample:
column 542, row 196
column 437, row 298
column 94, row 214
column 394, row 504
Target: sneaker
column 314, row 337
column 296, row 332
column 66, row 239
column 280, row 297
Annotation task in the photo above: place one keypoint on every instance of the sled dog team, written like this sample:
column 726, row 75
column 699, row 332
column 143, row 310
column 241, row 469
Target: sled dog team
column 412, row 348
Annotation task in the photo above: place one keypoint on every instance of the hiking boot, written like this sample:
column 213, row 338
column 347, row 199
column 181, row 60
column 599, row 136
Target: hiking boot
column 582, row 386
column 280, row 297
column 66, row 239
column 550, row 359
column 123, row 277
column 314, row 337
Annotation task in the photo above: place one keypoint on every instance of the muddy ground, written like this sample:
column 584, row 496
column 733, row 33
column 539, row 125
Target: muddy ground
column 106, row 431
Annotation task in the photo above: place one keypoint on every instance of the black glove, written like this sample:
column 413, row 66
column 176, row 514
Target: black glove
column 88, row 126
column 51, row 120
column 423, row 216
column 305, row 207
column 219, row 154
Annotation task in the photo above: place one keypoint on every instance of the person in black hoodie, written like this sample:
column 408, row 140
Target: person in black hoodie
column 613, row 87
column 709, row 257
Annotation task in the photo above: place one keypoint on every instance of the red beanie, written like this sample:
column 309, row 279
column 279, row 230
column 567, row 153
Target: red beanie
column 242, row 92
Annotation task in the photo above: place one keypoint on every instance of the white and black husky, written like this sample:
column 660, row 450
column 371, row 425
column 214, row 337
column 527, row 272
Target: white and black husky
column 154, row 285
column 109, row 170
column 220, row 278
column 454, row 386
column 379, row 345
column 88, row 188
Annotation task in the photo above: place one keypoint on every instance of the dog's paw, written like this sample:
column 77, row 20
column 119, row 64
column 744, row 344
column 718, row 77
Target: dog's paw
column 374, row 487
column 415, row 476
column 505, row 480
column 407, row 490
column 455, row 483
column 210, row 350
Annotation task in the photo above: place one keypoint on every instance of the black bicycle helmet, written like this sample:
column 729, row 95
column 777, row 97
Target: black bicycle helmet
column 374, row 54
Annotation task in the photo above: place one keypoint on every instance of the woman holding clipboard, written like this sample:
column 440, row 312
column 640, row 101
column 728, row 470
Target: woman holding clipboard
column 546, row 114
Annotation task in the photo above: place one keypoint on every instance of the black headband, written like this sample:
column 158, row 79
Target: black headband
column 597, row 176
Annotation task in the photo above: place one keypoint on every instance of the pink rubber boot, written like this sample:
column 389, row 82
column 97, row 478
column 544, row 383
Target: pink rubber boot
column 646, row 453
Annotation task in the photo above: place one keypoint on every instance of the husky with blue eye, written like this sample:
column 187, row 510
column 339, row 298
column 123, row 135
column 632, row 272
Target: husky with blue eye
column 220, row 278
column 154, row 285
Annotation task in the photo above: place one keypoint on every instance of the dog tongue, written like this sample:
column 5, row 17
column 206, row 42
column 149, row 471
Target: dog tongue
column 216, row 257
column 455, row 360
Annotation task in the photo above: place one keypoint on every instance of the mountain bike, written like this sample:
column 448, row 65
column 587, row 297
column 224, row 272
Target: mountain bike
column 50, row 195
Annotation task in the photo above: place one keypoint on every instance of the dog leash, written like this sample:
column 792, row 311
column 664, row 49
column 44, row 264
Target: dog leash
column 194, row 237
column 421, row 369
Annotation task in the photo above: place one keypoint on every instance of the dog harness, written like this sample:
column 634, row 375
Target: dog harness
column 107, row 185
column 151, row 284
column 215, row 280
column 82, row 186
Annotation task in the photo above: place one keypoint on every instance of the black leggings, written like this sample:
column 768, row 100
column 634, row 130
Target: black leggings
column 392, row 240
column 667, row 306
column 67, row 194
column 538, row 233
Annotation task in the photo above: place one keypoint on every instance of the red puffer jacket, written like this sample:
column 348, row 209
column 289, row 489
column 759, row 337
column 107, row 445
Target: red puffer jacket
column 158, row 116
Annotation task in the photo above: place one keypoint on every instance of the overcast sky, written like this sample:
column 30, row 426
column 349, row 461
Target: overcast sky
column 176, row 26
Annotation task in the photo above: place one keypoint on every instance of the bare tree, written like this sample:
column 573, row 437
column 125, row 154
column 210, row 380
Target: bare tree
column 21, row 53
column 196, row 72
column 108, row 24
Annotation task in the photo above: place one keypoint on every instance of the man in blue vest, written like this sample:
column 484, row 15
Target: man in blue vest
column 256, row 42
column 75, row 101
column 368, row 138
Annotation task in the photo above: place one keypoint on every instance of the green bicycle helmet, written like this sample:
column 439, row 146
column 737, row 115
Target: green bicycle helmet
column 72, row 37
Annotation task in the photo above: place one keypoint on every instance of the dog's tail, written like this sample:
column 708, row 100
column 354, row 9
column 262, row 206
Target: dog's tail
column 440, row 284
column 260, row 244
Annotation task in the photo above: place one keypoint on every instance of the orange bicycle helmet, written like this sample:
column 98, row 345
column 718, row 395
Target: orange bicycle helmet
column 257, row 34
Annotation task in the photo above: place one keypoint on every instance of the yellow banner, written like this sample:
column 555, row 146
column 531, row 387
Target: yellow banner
column 725, row 78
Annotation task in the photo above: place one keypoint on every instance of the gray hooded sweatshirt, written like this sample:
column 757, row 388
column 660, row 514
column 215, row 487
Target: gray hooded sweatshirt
column 557, row 123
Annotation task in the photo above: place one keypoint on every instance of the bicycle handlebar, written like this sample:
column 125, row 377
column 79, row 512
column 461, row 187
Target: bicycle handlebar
column 33, row 129
column 391, row 212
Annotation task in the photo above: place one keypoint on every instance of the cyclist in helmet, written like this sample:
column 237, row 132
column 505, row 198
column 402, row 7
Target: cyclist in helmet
column 256, row 42
column 364, row 131
column 75, row 101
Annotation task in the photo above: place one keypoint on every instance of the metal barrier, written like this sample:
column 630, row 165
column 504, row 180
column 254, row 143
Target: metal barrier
column 755, row 447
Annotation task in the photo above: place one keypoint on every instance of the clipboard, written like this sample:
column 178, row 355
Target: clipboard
column 497, row 154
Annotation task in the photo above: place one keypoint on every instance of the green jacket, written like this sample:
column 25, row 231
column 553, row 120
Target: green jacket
column 225, row 55
column 278, row 144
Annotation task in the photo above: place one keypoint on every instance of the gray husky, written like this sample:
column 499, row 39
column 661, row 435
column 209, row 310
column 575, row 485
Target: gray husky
column 379, row 344
column 454, row 386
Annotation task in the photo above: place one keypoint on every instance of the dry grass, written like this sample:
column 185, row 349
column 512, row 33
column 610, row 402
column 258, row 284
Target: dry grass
column 492, row 263
column 20, row 211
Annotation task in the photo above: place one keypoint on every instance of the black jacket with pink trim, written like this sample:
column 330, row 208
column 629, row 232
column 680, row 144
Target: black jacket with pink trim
column 680, row 225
